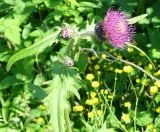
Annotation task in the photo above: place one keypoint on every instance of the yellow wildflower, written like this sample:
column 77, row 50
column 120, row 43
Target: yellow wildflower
column 95, row 84
column 130, row 50
column 158, row 110
column 95, row 100
column 104, row 56
column 97, row 67
column 118, row 71
column 93, row 58
column 93, row 94
column 42, row 107
column 138, row 80
column 157, row 83
column 105, row 91
column 127, row 69
column 150, row 126
column 153, row 90
column 127, row 104
column 110, row 96
column 158, row 72
column 90, row 114
column 90, row 77
column 89, row 102
column 99, row 112
column 40, row 120
column 78, row 108
column 125, row 118
column 150, row 66
column 102, row 91
column 119, row 57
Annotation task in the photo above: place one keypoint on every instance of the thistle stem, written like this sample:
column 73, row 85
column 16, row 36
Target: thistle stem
column 66, row 116
column 134, row 65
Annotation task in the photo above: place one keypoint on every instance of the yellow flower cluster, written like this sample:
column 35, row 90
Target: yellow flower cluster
column 125, row 118
column 128, row 69
column 90, row 114
column 95, row 84
column 78, row 108
column 127, row 104
column 92, row 101
column 104, row 56
column 90, row 77
column 40, row 120
column 99, row 112
column 118, row 70
column 93, row 58
column 138, row 80
column 158, row 110
column 157, row 83
column 153, row 90
column 42, row 107
column 97, row 67
column 93, row 94
column 150, row 128
column 130, row 50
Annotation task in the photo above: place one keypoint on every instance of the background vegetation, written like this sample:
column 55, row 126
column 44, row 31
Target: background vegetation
column 40, row 85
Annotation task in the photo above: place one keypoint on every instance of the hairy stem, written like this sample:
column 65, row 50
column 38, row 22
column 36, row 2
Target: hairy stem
column 66, row 115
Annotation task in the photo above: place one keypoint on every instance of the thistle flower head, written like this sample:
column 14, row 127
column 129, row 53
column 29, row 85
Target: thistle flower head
column 67, row 31
column 117, row 29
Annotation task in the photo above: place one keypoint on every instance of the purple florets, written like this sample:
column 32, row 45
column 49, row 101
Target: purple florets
column 117, row 29
column 67, row 32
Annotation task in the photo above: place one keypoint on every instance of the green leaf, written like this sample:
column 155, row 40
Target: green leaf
column 36, row 48
column 63, row 84
column 144, row 118
column 4, row 56
column 9, row 81
column 156, row 54
column 157, row 98
column 82, row 62
column 157, row 123
column 137, row 18
column 52, row 3
column 37, row 91
column 13, row 34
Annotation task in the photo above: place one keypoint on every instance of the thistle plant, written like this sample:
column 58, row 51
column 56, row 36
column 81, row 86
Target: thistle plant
column 116, row 29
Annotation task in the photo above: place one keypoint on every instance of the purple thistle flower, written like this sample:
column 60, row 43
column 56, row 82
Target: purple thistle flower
column 117, row 29
column 67, row 32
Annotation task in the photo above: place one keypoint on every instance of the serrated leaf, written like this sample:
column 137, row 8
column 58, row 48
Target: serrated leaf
column 36, row 48
column 64, row 82
column 137, row 18
column 144, row 118
column 157, row 123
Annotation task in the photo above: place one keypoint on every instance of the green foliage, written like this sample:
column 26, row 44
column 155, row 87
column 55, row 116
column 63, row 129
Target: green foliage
column 144, row 118
column 46, row 79
column 65, row 82
column 35, row 49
